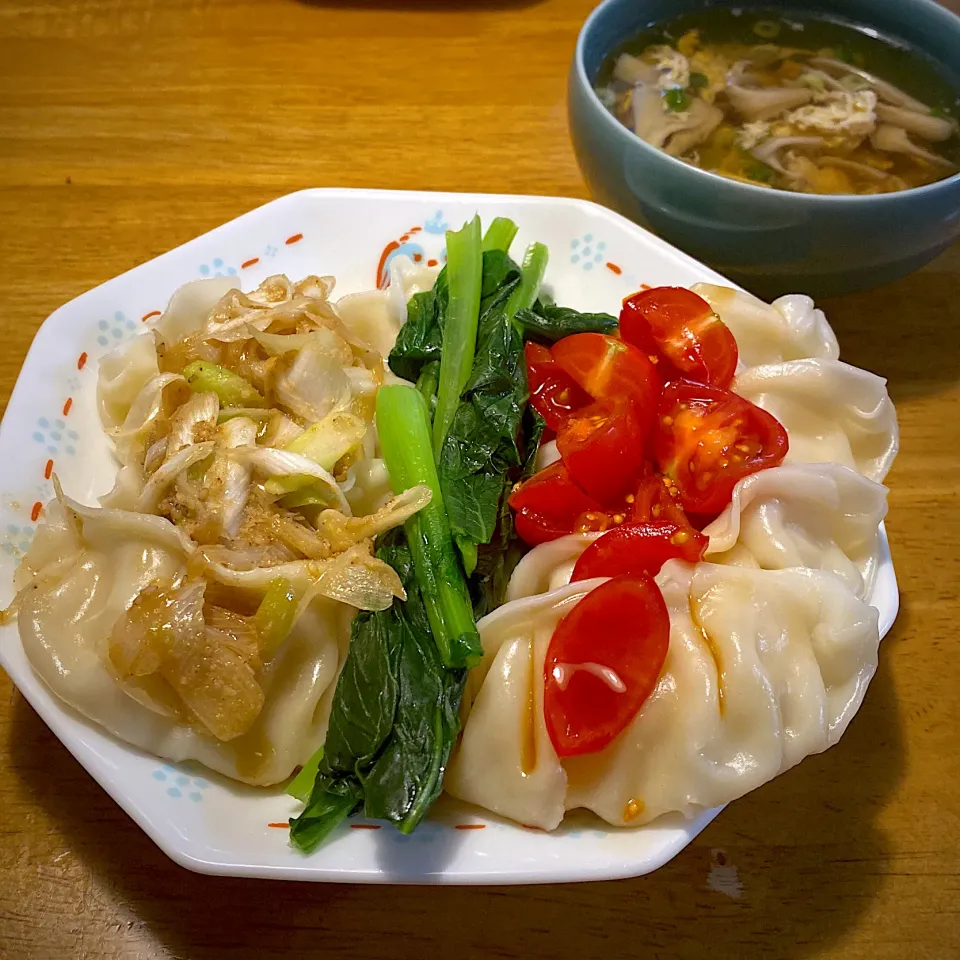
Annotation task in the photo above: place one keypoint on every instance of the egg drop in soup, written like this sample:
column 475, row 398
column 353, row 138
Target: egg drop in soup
column 786, row 101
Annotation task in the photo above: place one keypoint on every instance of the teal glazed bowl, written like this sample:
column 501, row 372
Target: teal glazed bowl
column 770, row 241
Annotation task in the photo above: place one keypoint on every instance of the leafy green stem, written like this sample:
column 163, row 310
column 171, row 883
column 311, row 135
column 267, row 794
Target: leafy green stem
column 499, row 234
column 532, row 271
column 464, row 279
column 403, row 427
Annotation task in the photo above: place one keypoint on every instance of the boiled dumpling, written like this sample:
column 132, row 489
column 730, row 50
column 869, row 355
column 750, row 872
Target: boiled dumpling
column 548, row 566
column 791, row 328
column 190, row 306
column 764, row 668
column 122, row 376
column 88, row 573
column 832, row 412
column 505, row 761
column 821, row 516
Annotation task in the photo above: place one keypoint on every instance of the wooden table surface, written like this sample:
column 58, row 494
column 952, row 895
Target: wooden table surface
column 130, row 126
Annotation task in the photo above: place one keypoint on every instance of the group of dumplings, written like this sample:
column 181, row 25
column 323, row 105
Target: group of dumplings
column 773, row 640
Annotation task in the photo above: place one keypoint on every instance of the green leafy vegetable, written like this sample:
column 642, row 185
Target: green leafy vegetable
column 677, row 100
column 408, row 773
column 427, row 384
column 464, row 272
column 329, row 805
column 699, row 80
column 496, row 560
column 534, row 267
column 394, row 719
column 481, row 454
column 420, row 338
column 481, row 448
column 301, row 786
column 500, row 278
column 404, row 430
column 499, row 234
column 548, row 323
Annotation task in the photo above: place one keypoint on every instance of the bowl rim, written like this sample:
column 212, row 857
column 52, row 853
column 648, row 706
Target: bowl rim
column 627, row 135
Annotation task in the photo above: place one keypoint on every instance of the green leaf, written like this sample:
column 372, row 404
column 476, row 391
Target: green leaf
column 677, row 100
column 365, row 699
column 407, row 776
column 481, row 448
column 699, row 80
column 547, row 323
column 329, row 806
column 501, row 276
column 420, row 338
column 301, row 786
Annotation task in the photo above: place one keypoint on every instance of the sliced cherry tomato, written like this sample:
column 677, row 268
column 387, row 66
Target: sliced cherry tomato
column 654, row 501
column 680, row 328
column 606, row 367
column 639, row 548
column 551, row 505
column 708, row 438
column 601, row 447
column 554, row 394
column 603, row 663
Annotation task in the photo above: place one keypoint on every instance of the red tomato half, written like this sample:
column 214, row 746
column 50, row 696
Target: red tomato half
column 551, row 505
column 706, row 439
column 553, row 392
column 603, row 662
column 679, row 327
column 601, row 447
column 639, row 548
column 606, row 367
column 654, row 501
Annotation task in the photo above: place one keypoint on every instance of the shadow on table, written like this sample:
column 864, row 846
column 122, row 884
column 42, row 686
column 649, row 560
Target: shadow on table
column 905, row 331
column 801, row 860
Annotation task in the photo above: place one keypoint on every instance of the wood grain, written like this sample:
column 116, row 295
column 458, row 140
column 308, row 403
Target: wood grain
column 129, row 126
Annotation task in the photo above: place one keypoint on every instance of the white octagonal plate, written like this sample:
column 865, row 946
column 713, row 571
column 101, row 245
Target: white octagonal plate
column 203, row 821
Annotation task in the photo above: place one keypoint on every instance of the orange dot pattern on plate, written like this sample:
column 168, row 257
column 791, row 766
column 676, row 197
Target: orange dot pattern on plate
column 82, row 360
column 279, row 826
column 364, row 826
column 296, row 238
column 249, row 263
column 470, row 826
column 613, row 268
column 36, row 511
column 67, row 405
column 147, row 316
column 48, row 470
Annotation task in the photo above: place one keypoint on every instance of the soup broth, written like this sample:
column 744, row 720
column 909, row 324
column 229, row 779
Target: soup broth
column 779, row 99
